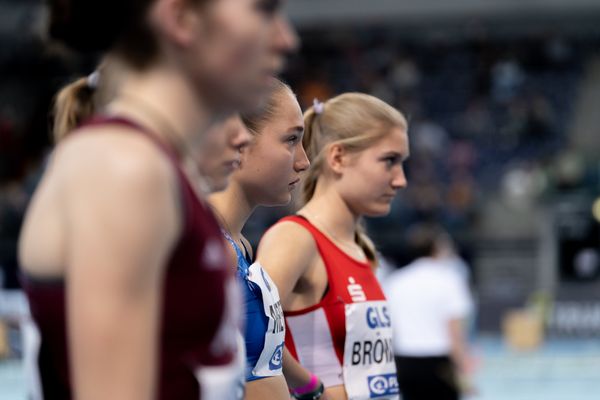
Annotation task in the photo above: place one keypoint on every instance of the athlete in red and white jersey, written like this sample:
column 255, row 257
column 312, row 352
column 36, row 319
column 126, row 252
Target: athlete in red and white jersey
column 124, row 266
column 338, row 325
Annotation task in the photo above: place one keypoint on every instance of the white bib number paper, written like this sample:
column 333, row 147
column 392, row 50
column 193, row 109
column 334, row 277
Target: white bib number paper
column 271, row 359
column 369, row 367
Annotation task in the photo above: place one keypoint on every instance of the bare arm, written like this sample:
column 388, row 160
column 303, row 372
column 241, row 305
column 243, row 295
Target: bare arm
column 459, row 306
column 459, row 347
column 464, row 361
column 295, row 374
column 286, row 252
column 122, row 221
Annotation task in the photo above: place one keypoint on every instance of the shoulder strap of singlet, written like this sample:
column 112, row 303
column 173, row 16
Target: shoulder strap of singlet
column 135, row 126
column 238, row 252
column 247, row 254
column 327, row 248
column 301, row 220
column 186, row 189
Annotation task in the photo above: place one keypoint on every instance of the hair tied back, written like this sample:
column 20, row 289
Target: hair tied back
column 318, row 106
column 93, row 80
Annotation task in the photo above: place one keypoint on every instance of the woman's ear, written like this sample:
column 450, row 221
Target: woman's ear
column 337, row 158
column 176, row 20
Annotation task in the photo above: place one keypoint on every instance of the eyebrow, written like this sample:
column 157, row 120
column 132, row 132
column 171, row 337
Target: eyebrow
column 296, row 129
column 403, row 157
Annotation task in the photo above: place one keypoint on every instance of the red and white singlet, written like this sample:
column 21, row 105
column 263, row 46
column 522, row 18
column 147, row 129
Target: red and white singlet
column 346, row 338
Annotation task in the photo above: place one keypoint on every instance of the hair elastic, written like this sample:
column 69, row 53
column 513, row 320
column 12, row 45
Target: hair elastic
column 318, row 106
column 93, row 79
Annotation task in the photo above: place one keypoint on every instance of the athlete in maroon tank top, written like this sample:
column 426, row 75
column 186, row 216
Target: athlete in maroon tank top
column 134, row 255
column 190, row 317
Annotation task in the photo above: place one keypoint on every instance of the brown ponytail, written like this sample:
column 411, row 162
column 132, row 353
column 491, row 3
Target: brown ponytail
column 72, row 105
column 312, row 133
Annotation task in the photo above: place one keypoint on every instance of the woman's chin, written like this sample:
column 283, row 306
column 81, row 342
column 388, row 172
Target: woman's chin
column 282, row 199
column 381, row 210
column 217, row 184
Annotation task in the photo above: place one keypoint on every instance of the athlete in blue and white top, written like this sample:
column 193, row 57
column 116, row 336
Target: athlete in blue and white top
column 270, row 167
column 264, row 328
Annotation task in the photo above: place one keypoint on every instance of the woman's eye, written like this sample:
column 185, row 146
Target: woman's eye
column 293, row 139
column 392, row 161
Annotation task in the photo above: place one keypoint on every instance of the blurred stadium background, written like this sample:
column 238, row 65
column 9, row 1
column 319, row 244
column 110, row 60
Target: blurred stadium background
column 503, row 98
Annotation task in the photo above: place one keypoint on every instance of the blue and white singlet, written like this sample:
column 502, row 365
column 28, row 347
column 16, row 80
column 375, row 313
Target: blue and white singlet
column 264, row 331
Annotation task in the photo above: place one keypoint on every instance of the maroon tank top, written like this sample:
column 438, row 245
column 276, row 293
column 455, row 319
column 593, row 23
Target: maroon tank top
column 197, row 325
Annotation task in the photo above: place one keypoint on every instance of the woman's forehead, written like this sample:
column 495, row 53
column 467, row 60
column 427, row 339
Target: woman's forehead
column 396, row 140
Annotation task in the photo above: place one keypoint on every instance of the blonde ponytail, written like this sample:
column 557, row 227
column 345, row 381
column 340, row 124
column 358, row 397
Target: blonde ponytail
column 366, row 244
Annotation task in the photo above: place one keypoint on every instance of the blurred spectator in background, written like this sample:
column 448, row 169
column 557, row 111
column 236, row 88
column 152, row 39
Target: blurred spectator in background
column 429, row 301
column 13, row 200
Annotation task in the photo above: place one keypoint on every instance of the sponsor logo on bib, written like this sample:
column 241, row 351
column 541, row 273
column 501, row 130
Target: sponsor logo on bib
column 383, row 385
column 378, row 317
column 355, row 290
column 277, row 358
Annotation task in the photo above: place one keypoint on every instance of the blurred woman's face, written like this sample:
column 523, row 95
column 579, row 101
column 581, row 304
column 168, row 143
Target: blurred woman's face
column 241, row 45
column 371, row 178
column 219, row 155
column 271, row 164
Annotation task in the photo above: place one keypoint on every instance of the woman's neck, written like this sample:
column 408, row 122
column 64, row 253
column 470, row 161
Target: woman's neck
column 233, row 207
column 328, row 209
column 167, row 104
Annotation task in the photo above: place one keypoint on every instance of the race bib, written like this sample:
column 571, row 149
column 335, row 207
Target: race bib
column 369, row 367
column 271, row 359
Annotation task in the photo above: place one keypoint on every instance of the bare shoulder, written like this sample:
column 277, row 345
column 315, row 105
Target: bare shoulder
column 119, row 201
column 119, row 175
column 288, row 236
column 287, row 243
column 114, row 156
column 287, row 251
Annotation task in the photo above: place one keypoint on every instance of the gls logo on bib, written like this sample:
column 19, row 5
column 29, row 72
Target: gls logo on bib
column 383, row 385
column 378, row 317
